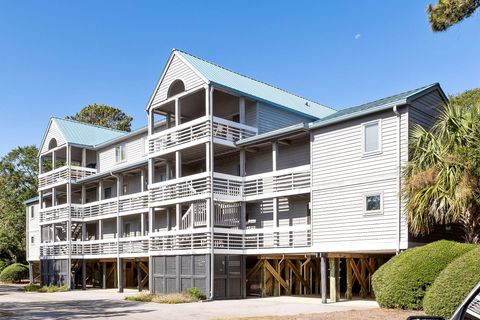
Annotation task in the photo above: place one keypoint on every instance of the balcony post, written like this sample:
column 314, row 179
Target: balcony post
column 142, row 224
column 84, row 157
column 142, row 180
column 151, row 121
column 275, row 200
column 243, row 205
column 100, row 190
column 100, row 229
column 54, row 160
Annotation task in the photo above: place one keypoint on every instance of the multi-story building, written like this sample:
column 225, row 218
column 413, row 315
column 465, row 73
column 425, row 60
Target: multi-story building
column 235, row 187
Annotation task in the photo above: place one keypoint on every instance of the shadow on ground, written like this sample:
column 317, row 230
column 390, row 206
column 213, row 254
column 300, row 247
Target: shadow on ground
column 69, row 309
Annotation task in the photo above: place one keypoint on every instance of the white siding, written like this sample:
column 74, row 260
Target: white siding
column 258, row 162
column 251, row 114
column 33, row 230
column 135, row 151
column 291, row 211
column 176, row 70
column 293, row 155
column 341, row 177
column 271, row 118
column 53, row 133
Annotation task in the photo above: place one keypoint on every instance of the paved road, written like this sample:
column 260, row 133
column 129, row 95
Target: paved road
column 104, row 304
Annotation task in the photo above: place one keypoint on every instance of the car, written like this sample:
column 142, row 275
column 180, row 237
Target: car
column 469, row 309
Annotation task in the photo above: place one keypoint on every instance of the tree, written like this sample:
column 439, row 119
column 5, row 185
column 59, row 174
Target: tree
column 442, row 179
column 104, row 116
column 449, row 12
column 18, row 182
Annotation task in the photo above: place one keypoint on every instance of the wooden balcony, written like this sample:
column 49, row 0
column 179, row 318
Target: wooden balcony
column 63, row 175
column 127, row 204
column 198, row 131
column 54, row 249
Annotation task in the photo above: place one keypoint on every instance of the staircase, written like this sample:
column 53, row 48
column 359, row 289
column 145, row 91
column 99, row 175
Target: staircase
column 196, row 216
column 226, row 215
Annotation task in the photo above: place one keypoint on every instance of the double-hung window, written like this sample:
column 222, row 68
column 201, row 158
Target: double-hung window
column 371, row 138
column 121, row 153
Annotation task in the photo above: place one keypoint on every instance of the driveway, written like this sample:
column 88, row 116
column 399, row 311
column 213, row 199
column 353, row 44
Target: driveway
column 103, row 304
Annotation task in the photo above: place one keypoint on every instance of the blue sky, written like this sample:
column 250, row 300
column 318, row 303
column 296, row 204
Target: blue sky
column 58, row 56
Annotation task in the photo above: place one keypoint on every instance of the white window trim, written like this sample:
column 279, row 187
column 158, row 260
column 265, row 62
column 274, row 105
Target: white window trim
column 124, row 144
column 372, row 212
column 379, row 150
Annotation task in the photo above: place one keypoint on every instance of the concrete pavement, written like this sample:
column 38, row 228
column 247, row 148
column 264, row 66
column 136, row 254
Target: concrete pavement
column 103, row 304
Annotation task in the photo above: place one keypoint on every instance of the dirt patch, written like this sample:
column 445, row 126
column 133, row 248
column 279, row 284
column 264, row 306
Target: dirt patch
column 374, row 314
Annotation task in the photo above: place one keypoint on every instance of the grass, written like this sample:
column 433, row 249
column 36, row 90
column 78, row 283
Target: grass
column 172, row 298
column 38, row 288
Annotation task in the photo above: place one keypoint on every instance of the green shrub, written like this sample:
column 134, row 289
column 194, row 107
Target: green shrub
column 453, row 285
column 142, row 297
column 404, row 279
column 53, row 289
column 170, row 298
column 3, row 264
column 14, row 273
column 196, row 293
column 32, row 288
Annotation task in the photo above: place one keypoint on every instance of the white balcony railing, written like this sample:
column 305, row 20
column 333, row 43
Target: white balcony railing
column 60, row 212
column 133, row 245
column 195, row 131
column 190, row 188
column 180, row 240
column 277, row 183
column 62, row 174
column 54, row 249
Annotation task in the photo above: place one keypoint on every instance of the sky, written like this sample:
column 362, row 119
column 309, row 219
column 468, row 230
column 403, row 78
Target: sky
column 58, row 56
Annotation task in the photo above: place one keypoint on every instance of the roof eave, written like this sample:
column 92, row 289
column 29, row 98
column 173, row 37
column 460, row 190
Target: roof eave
column 273, row 134
column 320, row 123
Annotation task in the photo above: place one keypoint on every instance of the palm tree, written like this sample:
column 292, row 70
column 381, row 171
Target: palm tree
column 442, row 178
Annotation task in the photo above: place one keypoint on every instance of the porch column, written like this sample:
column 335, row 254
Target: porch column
column 142, row 180
column 100, row 190
column 84, row 157
column 178, row 162
column 142, row 224
column 100, row 229
column 243, row 204
column 334, row 280
column 139, row 276
column 274, row 168
column 54, row 160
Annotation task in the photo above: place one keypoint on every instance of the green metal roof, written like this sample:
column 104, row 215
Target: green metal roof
column 250, row 87
column 31, row 200
column 374, row 106
column 85, row 134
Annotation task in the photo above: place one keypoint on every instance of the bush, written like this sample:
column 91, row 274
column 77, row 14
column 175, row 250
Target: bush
column 196, row 293
column 53, row 289
column 14, row 273
column 453, row 285
column 3, row 264
column 404, row 279
column 171, row 298
column 32, row 288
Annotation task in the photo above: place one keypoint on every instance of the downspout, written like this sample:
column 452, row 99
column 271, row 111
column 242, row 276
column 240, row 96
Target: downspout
column 399, row 178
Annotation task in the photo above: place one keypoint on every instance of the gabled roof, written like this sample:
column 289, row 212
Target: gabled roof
column 228, row 79
column 80, row 133
column 378, row 105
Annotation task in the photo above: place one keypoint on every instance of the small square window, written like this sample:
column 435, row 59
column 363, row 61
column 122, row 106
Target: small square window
column 371, row 137
column 373, row 203
column 32, row 212
column 32, row 239
column 120, row 153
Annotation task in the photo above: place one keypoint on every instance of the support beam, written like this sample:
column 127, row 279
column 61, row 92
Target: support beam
column 30, row 272
column 334, row 280
column 139, row 276
column 348, row 293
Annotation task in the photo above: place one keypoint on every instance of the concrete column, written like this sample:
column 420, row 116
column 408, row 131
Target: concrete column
column 30, row 272
column 104, row 275
column 334, row 280
column 120, row 274
column 84, row 274
column 323, row 276
column 139, row 276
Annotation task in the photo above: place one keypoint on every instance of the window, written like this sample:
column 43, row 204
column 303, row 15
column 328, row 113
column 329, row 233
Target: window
column 175, row 88
column 32, row 239
column 120, row 153
column 373, row 203
column 32, row 212
column 371, row 137
column 125, row 189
